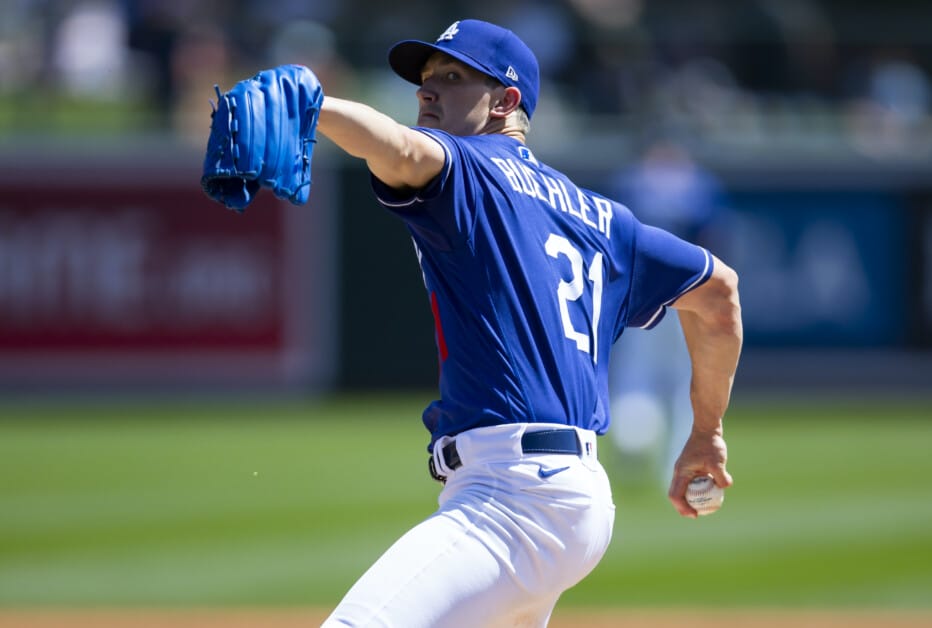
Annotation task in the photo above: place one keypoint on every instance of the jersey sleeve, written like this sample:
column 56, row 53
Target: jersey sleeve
column 664, row 268
column 402, row 201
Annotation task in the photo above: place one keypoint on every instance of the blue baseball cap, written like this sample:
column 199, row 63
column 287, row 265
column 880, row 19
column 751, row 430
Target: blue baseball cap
column 490, row 49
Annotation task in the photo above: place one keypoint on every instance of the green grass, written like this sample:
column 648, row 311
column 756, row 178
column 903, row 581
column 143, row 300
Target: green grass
column 832, row 505
column 286, row 503
column 53, row 112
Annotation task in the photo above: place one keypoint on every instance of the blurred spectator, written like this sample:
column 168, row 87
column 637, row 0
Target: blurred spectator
column 153, row 33
column 737, row 75
column 782, row 46
column 700, row 98
column 313, row 44
column 91, row 57
column 888, row 115
column 200, row 59
column 615, row 64
column 650, row 374
column 22, row 46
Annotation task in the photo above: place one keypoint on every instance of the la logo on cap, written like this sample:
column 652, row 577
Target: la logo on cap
column 451, row 31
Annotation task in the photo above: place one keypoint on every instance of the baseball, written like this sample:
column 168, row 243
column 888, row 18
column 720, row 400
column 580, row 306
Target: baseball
column 704, row 495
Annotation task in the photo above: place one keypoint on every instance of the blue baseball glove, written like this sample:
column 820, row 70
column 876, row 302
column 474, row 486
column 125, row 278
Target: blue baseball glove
column 262, row 135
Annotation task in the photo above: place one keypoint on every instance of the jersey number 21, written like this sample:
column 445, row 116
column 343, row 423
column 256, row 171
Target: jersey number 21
column 571, row 291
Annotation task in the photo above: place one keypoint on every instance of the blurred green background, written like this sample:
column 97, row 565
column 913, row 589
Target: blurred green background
column 284, row 503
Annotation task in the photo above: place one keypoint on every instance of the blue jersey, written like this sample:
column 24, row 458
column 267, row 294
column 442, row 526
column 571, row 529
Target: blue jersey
column 531, row 279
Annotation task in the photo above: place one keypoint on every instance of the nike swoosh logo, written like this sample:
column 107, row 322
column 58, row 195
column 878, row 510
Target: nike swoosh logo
column 546, row 473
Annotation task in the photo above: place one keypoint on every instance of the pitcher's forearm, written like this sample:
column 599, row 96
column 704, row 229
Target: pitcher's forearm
column 711, row 322
column 714, row 351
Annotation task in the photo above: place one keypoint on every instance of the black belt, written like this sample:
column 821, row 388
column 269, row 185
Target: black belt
column 556, row 441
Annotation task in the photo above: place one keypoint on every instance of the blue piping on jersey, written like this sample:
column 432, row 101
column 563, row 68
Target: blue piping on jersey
column 448, row 165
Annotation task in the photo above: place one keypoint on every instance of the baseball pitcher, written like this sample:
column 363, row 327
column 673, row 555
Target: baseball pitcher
column 530, row 279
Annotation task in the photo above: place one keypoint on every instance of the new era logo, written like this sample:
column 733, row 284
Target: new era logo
column 450, row 33
column 511, row 73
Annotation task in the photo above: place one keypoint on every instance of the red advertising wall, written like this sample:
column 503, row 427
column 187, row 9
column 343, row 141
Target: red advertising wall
column 151, row 282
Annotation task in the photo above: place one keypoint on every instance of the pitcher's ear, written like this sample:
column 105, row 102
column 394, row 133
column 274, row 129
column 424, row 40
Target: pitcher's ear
column 509, row 102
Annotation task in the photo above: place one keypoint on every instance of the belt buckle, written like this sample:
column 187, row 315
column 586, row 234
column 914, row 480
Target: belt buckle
column 433, row 471
column 438, row 464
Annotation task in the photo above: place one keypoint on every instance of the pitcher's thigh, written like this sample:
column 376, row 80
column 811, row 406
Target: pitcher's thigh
column 440, row 574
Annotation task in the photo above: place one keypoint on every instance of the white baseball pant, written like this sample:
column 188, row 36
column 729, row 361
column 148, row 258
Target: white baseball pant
column 513, row 531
